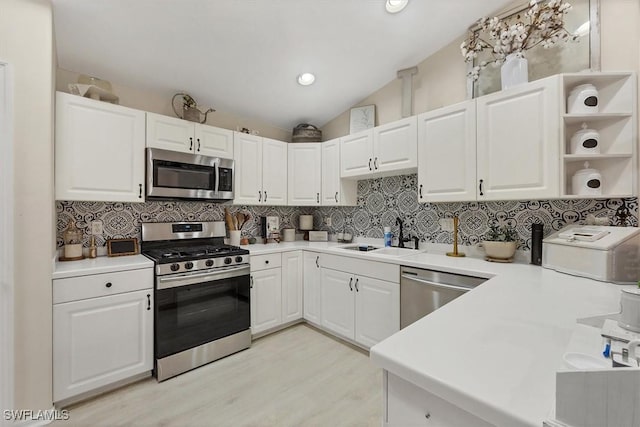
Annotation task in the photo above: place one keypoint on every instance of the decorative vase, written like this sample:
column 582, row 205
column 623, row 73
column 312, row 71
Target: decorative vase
column 499, row 250
column 514, row 71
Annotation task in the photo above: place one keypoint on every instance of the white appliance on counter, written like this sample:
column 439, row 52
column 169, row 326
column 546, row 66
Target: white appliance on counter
column 609, row 254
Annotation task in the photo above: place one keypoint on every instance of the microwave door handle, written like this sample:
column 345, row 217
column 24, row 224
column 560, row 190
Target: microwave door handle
column 216, row 172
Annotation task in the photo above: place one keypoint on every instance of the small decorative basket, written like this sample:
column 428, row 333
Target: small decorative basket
column 305, row 132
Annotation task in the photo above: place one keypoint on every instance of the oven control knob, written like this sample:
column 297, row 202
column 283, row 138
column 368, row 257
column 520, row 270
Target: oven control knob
column 238, row 259
column 175, row 267
column 188, row 265
column 227, row 260
column 209, row 263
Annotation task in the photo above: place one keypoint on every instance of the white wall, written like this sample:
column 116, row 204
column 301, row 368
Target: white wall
column 26, row 43
column 441, row 78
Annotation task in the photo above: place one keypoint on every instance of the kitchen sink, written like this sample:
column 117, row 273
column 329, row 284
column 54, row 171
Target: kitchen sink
column 382, row 251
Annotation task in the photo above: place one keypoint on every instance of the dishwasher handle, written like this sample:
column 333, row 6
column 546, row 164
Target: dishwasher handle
column 435, row 284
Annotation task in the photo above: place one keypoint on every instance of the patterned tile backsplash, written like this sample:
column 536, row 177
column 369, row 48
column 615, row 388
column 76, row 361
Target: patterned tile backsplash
column 380, row 202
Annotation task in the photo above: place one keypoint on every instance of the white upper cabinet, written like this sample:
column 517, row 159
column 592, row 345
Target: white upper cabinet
column 274, row 172
column 335, row 190
column 213, row 141
column 260, row 170
column 395, row 147
column 305, row 174
column 172, row 133
column 390, row 149
column 99, row 150
column 357, row 154
column 447, row 154
column 248, row 169
column 518, row 142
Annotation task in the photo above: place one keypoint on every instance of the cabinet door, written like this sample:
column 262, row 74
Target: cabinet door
column 377, row 310
column 335, row 190
column 99, row 341
column 291, row 286
column 247, row 153
column 337, row 304
column 99, row 151
column 312, row 296
column 266, row 299
column 169, row 133
column 305, row 174
column 395, row 146
column 274, row 172
column 447, row 154
column 213, row 141
column 518, row 142
column 356, row 154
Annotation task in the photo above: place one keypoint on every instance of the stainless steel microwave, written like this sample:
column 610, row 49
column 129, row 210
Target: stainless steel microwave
column 175, row 175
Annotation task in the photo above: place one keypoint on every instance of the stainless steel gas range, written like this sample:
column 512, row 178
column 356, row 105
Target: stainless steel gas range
column 202, row 295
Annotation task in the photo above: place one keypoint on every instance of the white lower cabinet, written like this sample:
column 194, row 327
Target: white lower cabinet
column 266, row 299
column 312, row 278
column 409, row 405
column 291, row 286
column 102, row 330
column 357, row 307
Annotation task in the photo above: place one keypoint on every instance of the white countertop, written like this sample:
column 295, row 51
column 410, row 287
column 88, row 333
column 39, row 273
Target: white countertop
column 102, row 264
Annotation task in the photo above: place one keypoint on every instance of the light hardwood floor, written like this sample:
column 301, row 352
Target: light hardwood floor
column 295, row 377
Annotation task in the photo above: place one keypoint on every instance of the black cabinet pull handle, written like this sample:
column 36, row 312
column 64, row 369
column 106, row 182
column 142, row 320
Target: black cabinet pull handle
column 148, row 301
column 480, row 188
column 351, row 281
column 139, row 191
column 420, row 191
column 370, row 165
column 317, row 197
column 265, row 197
column 190, row 143
column 259, row 196
column 317, row 259
column 198, row 144
column 357, row 290
column 375, row 163
column 251, row 286
column 336, row 197
column 109, row 284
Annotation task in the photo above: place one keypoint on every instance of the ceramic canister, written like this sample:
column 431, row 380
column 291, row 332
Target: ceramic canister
column 583, row 99
column 288, row 234
column 587, row 182
column 585, row 141
column 630, row 309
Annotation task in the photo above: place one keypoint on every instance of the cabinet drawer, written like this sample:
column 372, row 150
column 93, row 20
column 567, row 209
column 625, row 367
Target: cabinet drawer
column 262, row 262
column 410, row 405
column 98, row 285
column 374, row 269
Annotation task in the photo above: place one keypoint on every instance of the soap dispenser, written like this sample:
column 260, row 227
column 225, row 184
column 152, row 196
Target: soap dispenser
column 387, row 236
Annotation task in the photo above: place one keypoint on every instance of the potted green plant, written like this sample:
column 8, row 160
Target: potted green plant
column 500, row 242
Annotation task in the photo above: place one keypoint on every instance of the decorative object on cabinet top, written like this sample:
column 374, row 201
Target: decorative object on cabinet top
column 189, row 108
column 362, row 118
column 94, row 88
column 305, row 132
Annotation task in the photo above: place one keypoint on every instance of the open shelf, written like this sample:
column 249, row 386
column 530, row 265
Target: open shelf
column 594, row 117
column 616, row 175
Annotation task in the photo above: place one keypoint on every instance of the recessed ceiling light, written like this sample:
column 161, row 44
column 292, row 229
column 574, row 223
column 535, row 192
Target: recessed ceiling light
column 395, row 6
column 305, row 79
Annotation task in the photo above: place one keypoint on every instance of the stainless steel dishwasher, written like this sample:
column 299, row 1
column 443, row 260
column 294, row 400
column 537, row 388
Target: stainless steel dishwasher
column 423, row 291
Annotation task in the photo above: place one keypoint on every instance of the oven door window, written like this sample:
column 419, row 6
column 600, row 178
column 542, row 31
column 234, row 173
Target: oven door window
column 180, row 175
column 225, row 176
column 189, row 316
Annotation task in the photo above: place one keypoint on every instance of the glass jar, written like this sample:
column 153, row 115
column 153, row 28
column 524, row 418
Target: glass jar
column 72, row 238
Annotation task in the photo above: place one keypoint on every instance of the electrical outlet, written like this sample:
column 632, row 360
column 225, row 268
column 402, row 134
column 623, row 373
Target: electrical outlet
column 96, row 228
column 327, row 221
column 446, row 224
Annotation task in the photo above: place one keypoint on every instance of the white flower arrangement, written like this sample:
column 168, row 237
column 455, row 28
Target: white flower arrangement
column 541, row 24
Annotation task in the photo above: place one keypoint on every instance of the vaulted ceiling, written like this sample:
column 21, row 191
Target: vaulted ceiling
column 243, row 56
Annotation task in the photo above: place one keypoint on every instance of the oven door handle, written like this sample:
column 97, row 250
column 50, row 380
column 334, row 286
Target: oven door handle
column 193, row 278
